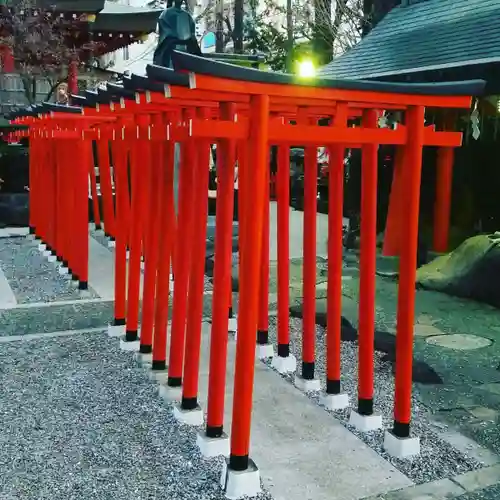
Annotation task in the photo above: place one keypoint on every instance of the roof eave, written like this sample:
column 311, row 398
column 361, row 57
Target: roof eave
column 143, row 22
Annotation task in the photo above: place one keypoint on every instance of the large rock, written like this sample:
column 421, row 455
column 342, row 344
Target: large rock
column 471, row 271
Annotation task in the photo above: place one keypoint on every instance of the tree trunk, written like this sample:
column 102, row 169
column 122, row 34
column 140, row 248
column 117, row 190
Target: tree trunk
column 289, row 36
column 238, row 27
column 219, row 26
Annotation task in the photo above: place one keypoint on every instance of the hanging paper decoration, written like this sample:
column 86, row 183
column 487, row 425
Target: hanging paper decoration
column 474, row 121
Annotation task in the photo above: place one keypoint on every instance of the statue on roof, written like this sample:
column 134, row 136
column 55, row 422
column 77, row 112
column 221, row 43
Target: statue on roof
column 176, row 32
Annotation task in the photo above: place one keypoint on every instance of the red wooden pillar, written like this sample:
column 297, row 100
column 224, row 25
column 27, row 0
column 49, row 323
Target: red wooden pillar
column 166, row 225
column 222, row 280
column 106, row 185
column 249, row 289
column 265, row 350
column 407, row 274
column 334, row 399
column 182, row 264
column 367, row 271
column 82, row 211
column 442, row 207
column 284, row 362
column 73, row 78
column 393, row 227
column 122, row 231
column 140, row 155
column 7, row 59
column 155, row 180
column 309, row 269
column 196, row 276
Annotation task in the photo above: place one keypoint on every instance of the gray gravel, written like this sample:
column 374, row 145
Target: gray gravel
column 438, row 459
column 32, row 277
column 81, row 420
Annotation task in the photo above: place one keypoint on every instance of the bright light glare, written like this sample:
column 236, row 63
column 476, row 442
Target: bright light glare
column 307, row 69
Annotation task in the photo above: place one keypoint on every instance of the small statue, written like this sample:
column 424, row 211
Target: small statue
column 176, row 32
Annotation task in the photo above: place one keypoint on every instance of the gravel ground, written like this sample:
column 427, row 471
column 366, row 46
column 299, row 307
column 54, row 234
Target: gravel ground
column 81, row 421
column 32, row 277
column 438, row 459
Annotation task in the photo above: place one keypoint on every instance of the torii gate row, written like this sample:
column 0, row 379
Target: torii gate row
column 145, row 91
column 256, row 130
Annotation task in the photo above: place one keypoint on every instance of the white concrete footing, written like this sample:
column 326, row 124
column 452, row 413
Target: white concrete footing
column 111, row 244
column 239, row 484
column 365, row 423
column 264, row 351
column 232, row 325
column 42, row 247
column 160, row 376
column 213, row 447
column 284, row 365
column 335, row 401
column 132, row 345
column 170, row 393
column 74, row 283
column 307, row 385
column 52, row 258
column 188, row 417
column 116, row 330
column 63, row 270
column 143, row 358
column 401, row 447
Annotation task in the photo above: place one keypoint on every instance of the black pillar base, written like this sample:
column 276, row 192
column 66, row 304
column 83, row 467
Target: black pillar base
column 158, row 365
column 131, row 336
column 332, row 386
column 262, row 337
column 145, row 349
column 174, row 381
column 307, row 370
column 214, row 431
column 283, row 350
column 189, row 403
column 401, row 430
column 365, row 407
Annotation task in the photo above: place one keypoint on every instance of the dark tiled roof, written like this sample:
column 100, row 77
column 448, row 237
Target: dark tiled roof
column 124, row 18
column 428, row 35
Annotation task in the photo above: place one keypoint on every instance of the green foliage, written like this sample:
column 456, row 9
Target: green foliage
column 260, row 35
column 266, row 39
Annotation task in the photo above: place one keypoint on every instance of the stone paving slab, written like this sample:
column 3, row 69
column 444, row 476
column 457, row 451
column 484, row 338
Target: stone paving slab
column 301, row 450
